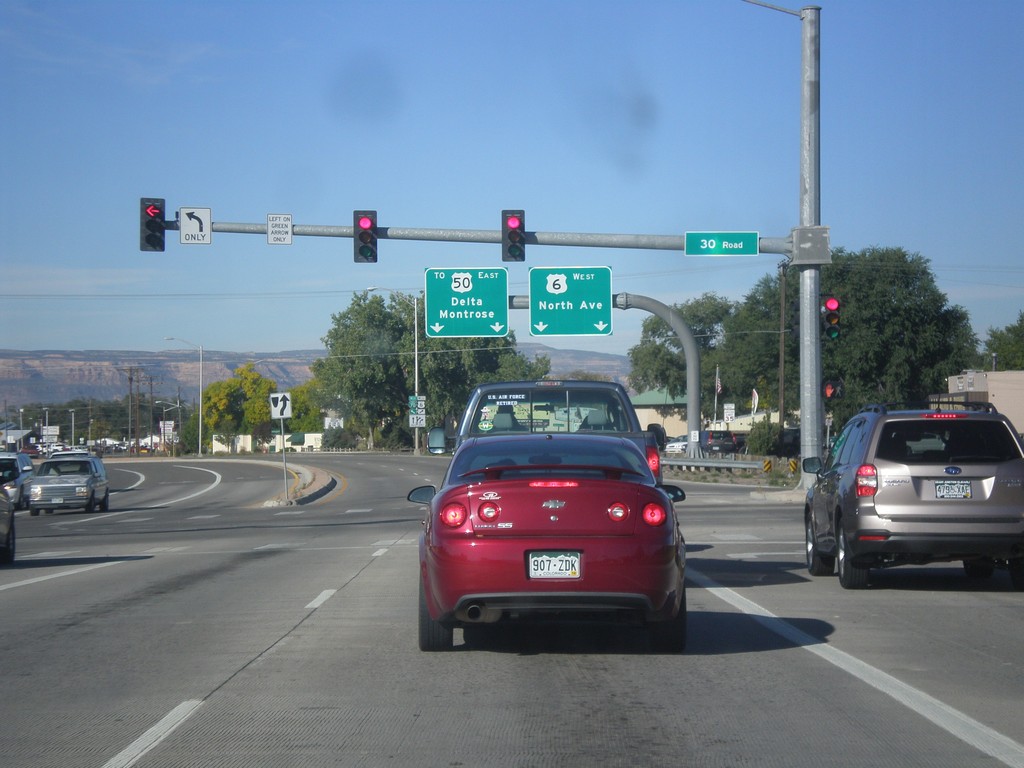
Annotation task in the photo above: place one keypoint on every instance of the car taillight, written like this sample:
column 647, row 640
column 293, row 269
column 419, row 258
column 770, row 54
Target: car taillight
column 618, row 512
column 653, row 459
column 453, row 515
column 867, row 480
column 554, row 484
column 488, row 511
column 654, row 514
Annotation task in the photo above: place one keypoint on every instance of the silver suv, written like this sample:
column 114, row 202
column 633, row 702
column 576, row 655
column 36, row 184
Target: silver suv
column 905, row 487
column 70, row 483
column 16, row 472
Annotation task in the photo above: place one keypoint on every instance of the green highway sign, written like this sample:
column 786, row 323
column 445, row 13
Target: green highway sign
column 570, row 301
column 721, row 244
column 466, row 301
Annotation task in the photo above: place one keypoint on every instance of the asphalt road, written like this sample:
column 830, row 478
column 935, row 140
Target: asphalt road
column 194, row 626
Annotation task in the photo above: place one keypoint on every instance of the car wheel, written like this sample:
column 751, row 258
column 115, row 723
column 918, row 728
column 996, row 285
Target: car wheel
column 817, row 563
column 90, row 505
column 34, row 511
column 670, row 636
column 981, row 568
column 850, row 576
column 1016, row 567
column 7, row 550
column 434, row 636
column 105, row 504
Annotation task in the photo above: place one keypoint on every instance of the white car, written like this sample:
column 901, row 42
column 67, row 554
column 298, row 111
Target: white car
column 677, row 445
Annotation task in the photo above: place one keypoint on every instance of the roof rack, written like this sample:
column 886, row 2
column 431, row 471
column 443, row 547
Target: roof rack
column 933, row 404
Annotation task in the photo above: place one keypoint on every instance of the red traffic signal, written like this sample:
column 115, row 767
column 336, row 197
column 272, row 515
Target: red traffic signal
column 151, row 223
column 364, row 236
column 513, row 236
column 832, row 389
column 830, row 317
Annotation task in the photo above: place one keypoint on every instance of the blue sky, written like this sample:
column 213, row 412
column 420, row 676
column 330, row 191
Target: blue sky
column 593, row 116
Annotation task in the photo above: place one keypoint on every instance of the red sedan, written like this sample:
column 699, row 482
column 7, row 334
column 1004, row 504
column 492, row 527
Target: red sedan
column 551, row 527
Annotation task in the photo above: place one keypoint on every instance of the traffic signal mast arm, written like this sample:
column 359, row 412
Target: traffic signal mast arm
column 783, row 245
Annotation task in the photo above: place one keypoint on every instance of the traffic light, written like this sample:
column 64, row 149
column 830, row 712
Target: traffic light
column 151, row 224
column 513, row 236
column 830, row 317
column 832, row 389
column 364, row 238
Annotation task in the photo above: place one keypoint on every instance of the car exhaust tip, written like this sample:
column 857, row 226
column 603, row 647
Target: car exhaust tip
column 474, row 613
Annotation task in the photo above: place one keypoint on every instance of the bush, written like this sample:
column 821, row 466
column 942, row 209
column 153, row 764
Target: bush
column 337, row 440
column 764, row 438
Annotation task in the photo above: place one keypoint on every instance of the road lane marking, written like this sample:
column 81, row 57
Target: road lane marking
column 951, row 720
column 72, row 572
column 142, row 745
column 322, row 598
column 54, row 553
column 379, row 552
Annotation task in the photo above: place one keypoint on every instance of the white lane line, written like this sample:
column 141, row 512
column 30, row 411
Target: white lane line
column 379, row 552
column 59, row 575
column 142, row 745
column 54, row 553
column 322, row 598
column 202, row 517
column 356, row 511
column 951, row 720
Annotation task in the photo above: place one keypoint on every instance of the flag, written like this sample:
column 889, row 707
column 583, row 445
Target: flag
column 753, row 402
column 718, row 385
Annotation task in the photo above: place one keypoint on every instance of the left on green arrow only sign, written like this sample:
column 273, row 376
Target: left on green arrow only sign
column 466, row 302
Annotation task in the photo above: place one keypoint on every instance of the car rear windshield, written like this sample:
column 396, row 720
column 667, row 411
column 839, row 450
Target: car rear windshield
column 529, row 457
column 957, row 441
column 548, row 410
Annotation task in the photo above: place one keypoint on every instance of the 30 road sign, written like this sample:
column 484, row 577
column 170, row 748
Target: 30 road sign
column 722, row 244
column 570, row 301
column 466, row 301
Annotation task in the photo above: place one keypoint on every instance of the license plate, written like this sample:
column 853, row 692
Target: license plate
column 952, row 489
column 553, row 565
column 57, row 500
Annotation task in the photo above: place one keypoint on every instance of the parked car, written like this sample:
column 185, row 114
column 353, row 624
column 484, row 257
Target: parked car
column 70, row 483
column 16, row 471
column 550, row 527
column 553, row 407
column 718, row 441
column 29, row 450
column 918, row 486
column 678, row 444
column 8, row 539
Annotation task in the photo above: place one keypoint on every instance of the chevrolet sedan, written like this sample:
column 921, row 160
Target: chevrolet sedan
column 551, row 527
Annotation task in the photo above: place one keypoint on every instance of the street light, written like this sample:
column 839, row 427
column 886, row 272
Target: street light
column 72, row 412
column 200, row 348
column 415, row 351
column 163, row 418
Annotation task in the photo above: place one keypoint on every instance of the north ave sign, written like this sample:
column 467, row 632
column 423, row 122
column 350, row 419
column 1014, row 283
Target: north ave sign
column 570, row 301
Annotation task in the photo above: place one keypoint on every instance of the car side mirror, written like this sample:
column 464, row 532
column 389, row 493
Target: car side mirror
column 812, row 465
column 674, row 492
column 436, row 440
column 422, row 495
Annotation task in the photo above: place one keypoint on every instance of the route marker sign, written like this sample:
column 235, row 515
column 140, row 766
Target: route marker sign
column 722, row 244
column 466, row 301
column 570, row 301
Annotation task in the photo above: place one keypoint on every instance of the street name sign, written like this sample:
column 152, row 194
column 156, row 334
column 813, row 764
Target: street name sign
column 466, row 302
column 195, row 226
column 570, row 301
column 722, row 244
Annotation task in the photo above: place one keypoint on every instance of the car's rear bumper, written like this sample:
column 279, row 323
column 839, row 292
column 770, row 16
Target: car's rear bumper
column 880, row 547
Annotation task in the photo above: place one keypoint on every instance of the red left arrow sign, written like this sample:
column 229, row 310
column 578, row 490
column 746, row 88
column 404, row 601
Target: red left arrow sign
column 152, row 210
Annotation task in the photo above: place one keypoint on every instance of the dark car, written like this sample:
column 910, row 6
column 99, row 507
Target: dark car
column 916, row 486
column 550, row 527
column 8, row 539
column 554, row 407
column 717, row 441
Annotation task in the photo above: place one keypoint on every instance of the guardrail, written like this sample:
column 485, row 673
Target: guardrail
column 726, row 464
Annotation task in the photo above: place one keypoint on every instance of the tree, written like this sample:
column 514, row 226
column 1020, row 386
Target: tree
column 899, row 338
column 240, row 405
column 369, row 371
column 1006, row 346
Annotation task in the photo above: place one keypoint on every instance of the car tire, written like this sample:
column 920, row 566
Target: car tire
column 105, row 504
column 434, row 636
column 850, row 576
column 34, row 511
column 670, row 636
column 90, row 505
column 1016, row 567
column 10, row 544
column 979, row 568
column 817, row 563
